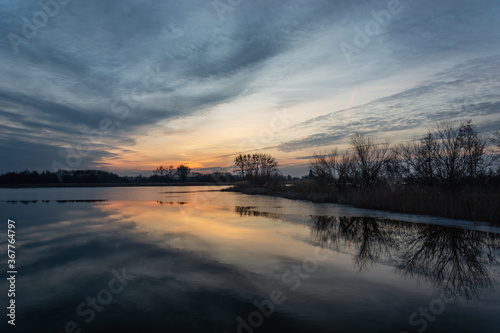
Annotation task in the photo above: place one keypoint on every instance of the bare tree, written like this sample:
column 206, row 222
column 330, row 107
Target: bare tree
column 446, row 155
column 159, row 170
column 268, row 165
column 261, row 166
column 183, row 171
column 169, row 171
column 241, row 163
column 450, row 167
column 427, row 152
column 333, row 167
column 370, row 157
column 254, row 165
column 417, row 159
column 473, row 153
column 407, row 156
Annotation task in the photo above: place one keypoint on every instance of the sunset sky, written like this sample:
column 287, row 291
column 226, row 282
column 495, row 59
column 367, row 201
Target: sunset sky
column 128, row 85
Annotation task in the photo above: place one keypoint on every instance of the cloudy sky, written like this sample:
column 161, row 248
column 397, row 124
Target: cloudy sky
column 129, row 85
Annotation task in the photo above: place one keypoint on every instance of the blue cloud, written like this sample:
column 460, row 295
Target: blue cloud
column 161, row 61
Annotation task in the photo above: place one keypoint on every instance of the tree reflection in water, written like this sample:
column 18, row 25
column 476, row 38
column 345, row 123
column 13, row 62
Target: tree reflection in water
column 457, row 261
column 250, row 211
column 372, row 240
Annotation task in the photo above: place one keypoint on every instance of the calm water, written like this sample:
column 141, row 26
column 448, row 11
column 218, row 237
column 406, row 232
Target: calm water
column 191, row 259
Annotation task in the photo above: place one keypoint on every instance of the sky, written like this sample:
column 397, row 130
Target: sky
column 127, row 86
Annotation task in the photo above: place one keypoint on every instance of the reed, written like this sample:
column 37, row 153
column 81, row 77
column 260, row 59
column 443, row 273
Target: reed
column 464, row 204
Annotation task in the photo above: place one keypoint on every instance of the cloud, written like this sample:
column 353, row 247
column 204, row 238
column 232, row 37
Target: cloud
column 162, row 61
column 468, row 90
column 18, row 154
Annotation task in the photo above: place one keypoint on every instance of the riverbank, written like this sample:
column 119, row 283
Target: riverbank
column 462, row 205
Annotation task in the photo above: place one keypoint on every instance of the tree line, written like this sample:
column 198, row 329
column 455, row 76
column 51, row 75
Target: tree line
column 61, row 176
column 100, row 176
column 257, row 168
column 170, row 173
column 449, row 155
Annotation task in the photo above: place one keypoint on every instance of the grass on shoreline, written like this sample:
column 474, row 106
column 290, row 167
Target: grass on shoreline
column 463, row 205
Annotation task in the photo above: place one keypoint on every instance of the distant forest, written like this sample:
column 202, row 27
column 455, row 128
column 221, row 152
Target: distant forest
column 99, row 176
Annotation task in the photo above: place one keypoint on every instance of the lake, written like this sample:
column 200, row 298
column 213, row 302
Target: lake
column 194, row 259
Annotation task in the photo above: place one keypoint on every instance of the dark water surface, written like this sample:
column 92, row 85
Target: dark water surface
column 190, row 259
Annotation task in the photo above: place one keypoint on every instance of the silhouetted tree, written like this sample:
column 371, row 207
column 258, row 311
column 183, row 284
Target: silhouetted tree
column 416, row 160
column 258, row 168
column 241, row 162
column 449, row 165
column 333, row 168
column 445, row 156
column 473, row 146
column 159, row 170
column 67, row 176
column 370, row 158
column 183, row 171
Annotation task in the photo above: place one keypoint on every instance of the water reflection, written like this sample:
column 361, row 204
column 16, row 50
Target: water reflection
column 250, row 211
column 200, row 263
column 171, row 203
column 457, row 261
column 373, row 240
column 27, row 202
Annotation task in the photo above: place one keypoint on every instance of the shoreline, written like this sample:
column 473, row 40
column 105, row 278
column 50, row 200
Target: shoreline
column 458, row 206
column 461, row 206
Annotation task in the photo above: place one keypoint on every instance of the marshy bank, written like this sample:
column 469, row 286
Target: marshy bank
column 464, row 204
column 452, row 172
